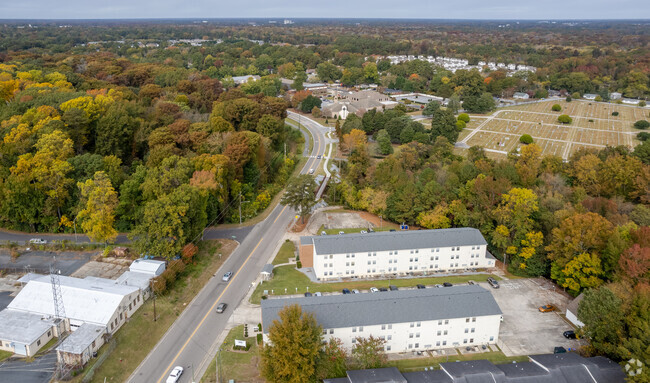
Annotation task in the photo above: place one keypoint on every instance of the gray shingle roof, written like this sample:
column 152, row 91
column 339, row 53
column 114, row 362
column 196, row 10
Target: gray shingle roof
column 376, row 375
column 267, row 269
column 336, row 311
column 81, row 339
column 397, row 240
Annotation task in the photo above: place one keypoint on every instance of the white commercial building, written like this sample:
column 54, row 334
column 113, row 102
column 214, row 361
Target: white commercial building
column 394, row 253
column 407, row 320
column 96, row 301
column 25, row 333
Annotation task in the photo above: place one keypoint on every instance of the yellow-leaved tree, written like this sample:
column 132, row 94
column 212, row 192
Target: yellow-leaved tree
column 99, row 200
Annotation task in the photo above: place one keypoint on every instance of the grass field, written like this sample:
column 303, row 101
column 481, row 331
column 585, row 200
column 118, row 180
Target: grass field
column 287, row 277
column 287, row 250
column 140, row 334
column 237, row 365
column 593, row 127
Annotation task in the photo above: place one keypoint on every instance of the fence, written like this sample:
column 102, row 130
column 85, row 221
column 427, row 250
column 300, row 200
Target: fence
column 100, row 360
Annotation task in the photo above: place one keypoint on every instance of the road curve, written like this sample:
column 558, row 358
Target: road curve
column 189, row 340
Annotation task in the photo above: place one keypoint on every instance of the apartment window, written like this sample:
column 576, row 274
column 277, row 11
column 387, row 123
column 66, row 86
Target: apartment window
column 410, row 259
column 351, row 263
column 354, row 329
column 436, row 266
column 347, row 272
column 410, row 345
column 368, row 271
column 134, row 302
column 445, row 333
column 473, row 319
column 370, row 254
column 389, row 337
column 374, row 254
column 347, row 255
column 390, row 253
column 446, row 321
column 390, row 326
column 382, row 337
column 93, row 345
column 354, row 340
column 331, row 331
column 120, row 316
column 111, row 326
column 331, row 256
column 417, row 251
column 49, row 333
column 369, row 262
column 374, row 262
column 491, row 338
column 347, row 263
column 412, row 324
column 331, row 272
column 138, row 298
column 352, row 272
column 451, row 265
column 387, row 348
column 473, row 329
column 466, row 331
column 431, row 259
column 466, row 320
column 410, row 267
column 444, row 342
column 383, row 327
column 390, row 261
column 38, row 343
column 438, row 343
column 417, row 345
column 439, row 332
column 360, row 328
column 471, row 340
column 418, row 324
column 411, row 251
column 417, row 334
column 457, row 265
column 464, row 341
column 324, row 331
column 416, row 259
column 374, row 270
column 411, row 335
column 116, row 321
column 331, row 265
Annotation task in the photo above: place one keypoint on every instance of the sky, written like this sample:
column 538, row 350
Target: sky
column 419, row 9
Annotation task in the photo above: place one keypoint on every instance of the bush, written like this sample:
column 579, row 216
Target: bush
column 177, row 266
column 260, row 339
column 557, row 107
column 188, row 253
column 642, row 124
column 526, row 139
column 642, row 103
column 460, row 125
column 564, row 118
column 576, row 95
column 591, row 120
column 568, row 98
column 614, row 114
column 463, row 117
column 598, row 99
column 643, row 136
column 299, row 265
column 159, row 285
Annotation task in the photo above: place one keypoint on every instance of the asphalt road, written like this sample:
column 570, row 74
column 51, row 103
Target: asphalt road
column 39, row 370
column 188, row 342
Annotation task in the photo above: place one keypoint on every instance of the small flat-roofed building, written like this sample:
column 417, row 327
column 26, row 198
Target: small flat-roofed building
column 147, row 266
column 589, row 96
column 77, row 349
column 244, row 79
column 404, row 252
column 521, row 96
column 408, row 320
column 615, row 96
column 267, row 272
column 25, row 333
column 91, row 300
column 572, row 311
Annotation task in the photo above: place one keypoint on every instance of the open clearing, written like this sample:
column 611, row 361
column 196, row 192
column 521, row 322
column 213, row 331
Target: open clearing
column 593, row 126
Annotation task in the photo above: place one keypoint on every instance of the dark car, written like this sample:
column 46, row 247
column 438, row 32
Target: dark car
column 421, row 286
column 393, row 288
column 559, row 350
column 221, row 308
column 383, row 289
column 347, row 291
column 493, row 282
column 570, row 334
column 392, row 230
column 447, row 284
column 308, row 294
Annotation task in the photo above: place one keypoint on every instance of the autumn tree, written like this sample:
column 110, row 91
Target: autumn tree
column 300, row 194
column 528, row 164
column 332, row 361
column 294, row 347
column 98, row 201
column 369, row 353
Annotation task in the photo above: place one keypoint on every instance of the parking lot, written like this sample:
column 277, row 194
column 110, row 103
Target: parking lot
column 525, row 330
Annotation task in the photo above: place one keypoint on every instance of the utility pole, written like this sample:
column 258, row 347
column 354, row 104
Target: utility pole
column 240, row 202
column 153, row 293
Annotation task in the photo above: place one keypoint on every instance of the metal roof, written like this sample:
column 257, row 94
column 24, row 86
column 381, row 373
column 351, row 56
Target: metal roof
column 22, row 327
column 149, row 266
column 349, row 310
column 376, row 375
column 93, row 300
column 81, row 339
column 397, row 240
column 135, row 279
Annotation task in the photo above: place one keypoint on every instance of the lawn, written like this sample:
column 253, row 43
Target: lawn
column 4, row 355
column 238, row 365
column 287, row 277
column 140, row 334
column 496, row 357
column 287, row 250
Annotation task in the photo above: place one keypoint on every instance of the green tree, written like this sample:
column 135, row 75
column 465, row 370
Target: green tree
column 98, row 201
column 564, row 119
column 479, row 104
column 642, row 124
column 443, row 123
column 369, row 353
column 300, row 194
column 463, row 117
column 328, row 72
column 526, row 139
column 600, row 311
column 556, row 107
column 294, row 346
column 309, row 103
column 383, row 141
column 431, row 107
column 371, row 76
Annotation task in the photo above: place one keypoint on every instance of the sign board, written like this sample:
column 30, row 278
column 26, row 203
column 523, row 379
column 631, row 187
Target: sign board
column 404, row 227
column 240, row 343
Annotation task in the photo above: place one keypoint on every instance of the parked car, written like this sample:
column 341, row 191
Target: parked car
column 447, row 284
column 347, row 291
column 439, row 285
column 221, row 308
column 383, row 289
column 421, row 286
column 318, row 294
column 393, row 288
column 493, row 282
column 392, row 230
column 308, row 294
column 374, row 290
column 227, row 276
column 363, row 232
column 470, row 282
column 559, row 350
column 570, row 334
column 38, row 241
column 341, row 232
column 175, row 374
column 355, row 291
column 323, row 232
column 546, row 308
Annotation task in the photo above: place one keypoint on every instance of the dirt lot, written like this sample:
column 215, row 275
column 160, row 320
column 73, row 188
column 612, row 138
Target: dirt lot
column 525, row 330
column 334, row 220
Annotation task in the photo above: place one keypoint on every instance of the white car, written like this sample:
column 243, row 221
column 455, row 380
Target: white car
column 37, row 241
column 374, row 290
column 311, row 171
column 175, row 374
column 227, row 276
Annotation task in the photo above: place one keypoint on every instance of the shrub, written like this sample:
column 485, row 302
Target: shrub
column 557, row 107
column 598, row 98
column 460, row 125
column 642, row 103
column 643, row 136
column 591, row 120
column 188, row 252
column 159, row 285
column 642, row 124
column 576, row 95
column 299, row 265
column 463, row 117
column 177, row 266
column 568, row 98
column 564, row 118
column 526, row 139
column 614, row 114
column 260, row 339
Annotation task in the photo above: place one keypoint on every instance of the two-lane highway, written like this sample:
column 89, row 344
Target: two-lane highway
column 194, row 334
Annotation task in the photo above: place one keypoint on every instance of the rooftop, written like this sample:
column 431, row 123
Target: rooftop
column 337, row 311
column 397, row 240
column 267, row 269
column 22, row 327
column 81, row 339
column 150, row 266
column 135, row 279
column 93, row 300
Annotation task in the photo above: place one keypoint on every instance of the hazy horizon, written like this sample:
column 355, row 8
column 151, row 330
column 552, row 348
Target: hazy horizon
column 335, row 9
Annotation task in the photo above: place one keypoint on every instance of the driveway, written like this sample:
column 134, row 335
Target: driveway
column 40, row 370
column 39, row 261
column 5, row 299
column 525, row 330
